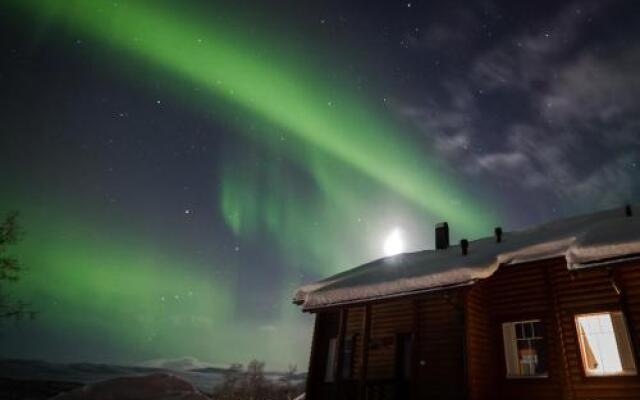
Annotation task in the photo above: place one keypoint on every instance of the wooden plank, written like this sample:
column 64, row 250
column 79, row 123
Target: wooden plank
column 364, row 363
column 415, row 337
column 557, row 328
column 312, row 372
column 337, row 373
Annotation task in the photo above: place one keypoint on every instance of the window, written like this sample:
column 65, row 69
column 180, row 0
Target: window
column 404, row 348
column 605, row 344
column 347, row 356
column 331, row 360
column 524, row 349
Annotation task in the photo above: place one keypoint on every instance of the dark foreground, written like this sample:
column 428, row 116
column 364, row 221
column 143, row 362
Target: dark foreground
column 19, row 389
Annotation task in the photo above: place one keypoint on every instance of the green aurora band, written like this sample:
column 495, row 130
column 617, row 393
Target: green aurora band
column 328, row 119
column 303, row 127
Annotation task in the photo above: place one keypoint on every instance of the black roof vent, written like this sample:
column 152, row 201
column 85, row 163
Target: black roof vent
column 498, row 232
column 628, row 211
column 464, row 246
column 442, row 236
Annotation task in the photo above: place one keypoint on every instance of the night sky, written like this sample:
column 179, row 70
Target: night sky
column 182, row 166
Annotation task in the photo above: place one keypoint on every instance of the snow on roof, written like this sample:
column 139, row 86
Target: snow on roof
column 584, row 241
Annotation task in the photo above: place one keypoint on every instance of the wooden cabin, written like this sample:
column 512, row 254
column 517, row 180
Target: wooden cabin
column 552, row 312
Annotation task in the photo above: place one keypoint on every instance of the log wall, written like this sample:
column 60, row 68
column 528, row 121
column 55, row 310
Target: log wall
column 458, row 349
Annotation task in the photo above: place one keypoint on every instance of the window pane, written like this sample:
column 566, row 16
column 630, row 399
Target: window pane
column 403, row 356
column 519, row 330
column 347, row 356
column 331, row 359
column 528, row 330
column 537, row 329
column 525, row 353
column 541, row 354
column 602, row 347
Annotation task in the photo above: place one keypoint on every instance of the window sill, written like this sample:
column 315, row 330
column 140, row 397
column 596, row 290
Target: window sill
column 527, row 377
column 621, row 375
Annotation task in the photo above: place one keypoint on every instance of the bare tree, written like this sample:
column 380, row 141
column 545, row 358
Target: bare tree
column 10, row 268
column 252, row 384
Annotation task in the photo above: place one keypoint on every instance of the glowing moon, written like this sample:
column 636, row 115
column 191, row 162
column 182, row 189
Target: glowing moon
column 393, row 244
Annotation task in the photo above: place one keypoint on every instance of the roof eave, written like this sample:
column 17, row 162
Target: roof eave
column 375, row 299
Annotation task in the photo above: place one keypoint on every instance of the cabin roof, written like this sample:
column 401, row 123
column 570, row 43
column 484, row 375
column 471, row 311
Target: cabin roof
column 584, row 241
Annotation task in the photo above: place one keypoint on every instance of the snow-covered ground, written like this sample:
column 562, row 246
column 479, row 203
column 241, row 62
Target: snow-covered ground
column 159, row 386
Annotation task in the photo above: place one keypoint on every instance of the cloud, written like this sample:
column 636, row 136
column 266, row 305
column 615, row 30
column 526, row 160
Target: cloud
column 438, row 36
column 577, row 134
column 597, row 93
column 611, row 183
column 529, row 59
column 176, row 364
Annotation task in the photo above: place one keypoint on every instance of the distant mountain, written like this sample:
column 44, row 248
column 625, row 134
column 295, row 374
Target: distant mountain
column 180, row 364
column 210, row 370
column 205, row 377
column 87, row 373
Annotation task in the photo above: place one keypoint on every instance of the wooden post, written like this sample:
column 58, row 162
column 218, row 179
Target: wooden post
column 415, row 343
column 556, row 320
column 464, row 315
column 366, row 332
column 311, row 385
column 342, row 327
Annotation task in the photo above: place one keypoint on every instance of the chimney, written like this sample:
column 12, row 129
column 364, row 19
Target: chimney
column 464, row 246
column 628, row 211
column 442, row 236
column 498, row 233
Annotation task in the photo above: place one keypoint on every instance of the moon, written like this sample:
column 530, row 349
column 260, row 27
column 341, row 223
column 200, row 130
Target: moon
column 394, row 243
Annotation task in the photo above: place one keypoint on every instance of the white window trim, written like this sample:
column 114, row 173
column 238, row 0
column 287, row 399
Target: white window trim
column 511, row 348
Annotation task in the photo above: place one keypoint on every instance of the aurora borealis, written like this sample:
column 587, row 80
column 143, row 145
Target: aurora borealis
column 180, row 167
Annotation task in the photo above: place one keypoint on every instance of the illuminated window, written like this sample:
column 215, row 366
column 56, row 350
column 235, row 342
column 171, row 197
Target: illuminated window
column 524, row 349
column 605, row 344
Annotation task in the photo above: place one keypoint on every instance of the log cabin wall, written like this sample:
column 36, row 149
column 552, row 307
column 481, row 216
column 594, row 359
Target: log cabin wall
column 326, row 327
column 387, row 320
column 543, row 290
column 481, row 349
column 547, row 291
column 592, row 290
column 516, row 293
column 434, row 322
column 440, row 361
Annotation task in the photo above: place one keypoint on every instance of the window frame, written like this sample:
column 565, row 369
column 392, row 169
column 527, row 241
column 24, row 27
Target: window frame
column 578, row 339
column 348, row 356
column 516, row 319
column 403, row 367
column 330, row 367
